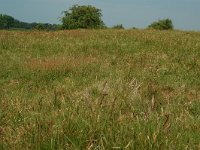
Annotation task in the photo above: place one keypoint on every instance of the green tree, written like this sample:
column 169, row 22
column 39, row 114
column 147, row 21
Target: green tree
column 164, row 24
column 88, row 17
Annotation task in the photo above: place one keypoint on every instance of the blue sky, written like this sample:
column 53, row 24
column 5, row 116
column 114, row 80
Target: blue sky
column 185, row 14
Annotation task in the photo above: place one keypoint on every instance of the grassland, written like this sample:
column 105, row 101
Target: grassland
column 100, row 89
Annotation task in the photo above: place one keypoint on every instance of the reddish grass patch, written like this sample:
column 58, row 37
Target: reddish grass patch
column 58, row 63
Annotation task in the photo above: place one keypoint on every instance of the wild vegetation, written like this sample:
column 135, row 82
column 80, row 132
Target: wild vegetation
column 100, row 89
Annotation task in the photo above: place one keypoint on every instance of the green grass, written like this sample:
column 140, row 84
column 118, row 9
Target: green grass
column 100, row 89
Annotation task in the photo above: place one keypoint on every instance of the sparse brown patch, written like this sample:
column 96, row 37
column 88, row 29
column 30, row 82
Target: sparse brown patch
column 167, row 91
column 192, row 95
column 58, row 63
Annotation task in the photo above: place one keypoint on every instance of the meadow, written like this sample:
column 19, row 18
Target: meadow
column 100, row 89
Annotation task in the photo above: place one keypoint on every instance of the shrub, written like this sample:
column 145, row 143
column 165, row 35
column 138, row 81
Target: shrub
column 119, row 26
column 165, row 24
column 134, row 28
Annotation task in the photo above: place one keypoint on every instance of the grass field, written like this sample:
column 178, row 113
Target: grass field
column 100, row 89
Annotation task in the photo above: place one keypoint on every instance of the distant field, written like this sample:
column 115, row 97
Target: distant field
column 100, row 89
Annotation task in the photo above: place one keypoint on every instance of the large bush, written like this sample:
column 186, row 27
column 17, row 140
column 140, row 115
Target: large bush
column 88, row 17
column 165, row 24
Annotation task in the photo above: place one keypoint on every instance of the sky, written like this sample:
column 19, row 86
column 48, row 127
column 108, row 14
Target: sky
column 185, row 14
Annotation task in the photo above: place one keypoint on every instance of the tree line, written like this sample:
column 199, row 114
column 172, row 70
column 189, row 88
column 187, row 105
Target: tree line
column 8, row 22
column 77, row 17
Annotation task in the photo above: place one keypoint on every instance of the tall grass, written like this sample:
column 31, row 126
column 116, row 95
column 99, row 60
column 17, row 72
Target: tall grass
column 100, row 89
